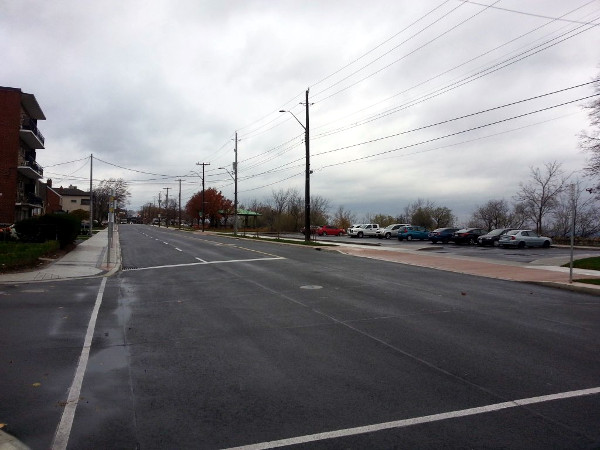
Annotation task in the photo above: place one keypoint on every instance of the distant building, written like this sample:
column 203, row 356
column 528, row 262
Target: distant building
column 73, row 198
column 19, row 140
column 51, row 199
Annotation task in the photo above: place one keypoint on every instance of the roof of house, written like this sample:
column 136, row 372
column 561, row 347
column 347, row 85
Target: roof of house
column 71, row 191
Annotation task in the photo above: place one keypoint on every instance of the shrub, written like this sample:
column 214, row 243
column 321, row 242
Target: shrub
column 63, row 228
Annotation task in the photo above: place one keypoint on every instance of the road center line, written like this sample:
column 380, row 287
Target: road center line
column 61, row 438
column 418, row 420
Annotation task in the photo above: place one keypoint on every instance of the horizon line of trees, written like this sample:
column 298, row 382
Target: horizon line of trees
column 544, row 203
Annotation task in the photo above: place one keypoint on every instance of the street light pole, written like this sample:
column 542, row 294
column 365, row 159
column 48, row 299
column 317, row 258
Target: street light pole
column 307, row 174
column 234, row 178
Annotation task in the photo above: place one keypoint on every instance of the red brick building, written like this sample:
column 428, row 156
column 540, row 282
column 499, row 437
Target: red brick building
column 51, row 198
column 19, row 140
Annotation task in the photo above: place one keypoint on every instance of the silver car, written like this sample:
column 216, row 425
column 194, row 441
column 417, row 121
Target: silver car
column 524, row 238
column 390, row 231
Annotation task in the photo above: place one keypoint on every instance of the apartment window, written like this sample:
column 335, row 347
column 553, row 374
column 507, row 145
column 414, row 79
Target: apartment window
column 85, row 201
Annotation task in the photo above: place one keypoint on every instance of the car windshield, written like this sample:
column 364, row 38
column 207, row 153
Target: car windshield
column 496, row 232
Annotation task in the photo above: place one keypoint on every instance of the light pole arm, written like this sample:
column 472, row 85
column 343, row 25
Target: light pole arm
column 297, row 120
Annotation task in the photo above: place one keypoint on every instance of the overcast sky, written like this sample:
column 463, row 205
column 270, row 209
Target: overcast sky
column 153, row 88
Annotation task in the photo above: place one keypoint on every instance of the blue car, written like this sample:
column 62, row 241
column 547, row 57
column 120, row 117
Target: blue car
column 443, row 235
column 413, row 232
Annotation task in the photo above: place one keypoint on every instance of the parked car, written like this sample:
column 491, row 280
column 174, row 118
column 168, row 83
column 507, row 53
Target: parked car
column 524, row 238
column 365, row 229
column 390, row 231
column 492, row 237
column 413, row 232
column 467, row 236
column 328, row 230
column 442, row 235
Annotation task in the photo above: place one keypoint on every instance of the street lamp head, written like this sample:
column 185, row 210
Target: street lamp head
column 282, row 110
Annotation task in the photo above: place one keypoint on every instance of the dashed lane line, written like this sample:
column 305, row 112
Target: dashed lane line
column 418, row 420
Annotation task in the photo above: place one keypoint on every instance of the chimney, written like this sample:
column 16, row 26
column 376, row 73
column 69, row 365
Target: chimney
column 49, row 183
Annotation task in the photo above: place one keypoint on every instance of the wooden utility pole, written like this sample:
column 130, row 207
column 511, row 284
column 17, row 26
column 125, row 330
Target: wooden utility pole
column 203, row 165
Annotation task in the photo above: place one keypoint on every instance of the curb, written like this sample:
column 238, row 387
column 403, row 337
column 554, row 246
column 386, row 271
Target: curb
column 8, row 442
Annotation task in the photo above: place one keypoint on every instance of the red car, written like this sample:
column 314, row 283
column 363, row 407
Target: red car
column 327, row 230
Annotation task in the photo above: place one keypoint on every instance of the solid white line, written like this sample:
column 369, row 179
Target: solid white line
column 204, row 263
column 417, row 420
column 61, row 438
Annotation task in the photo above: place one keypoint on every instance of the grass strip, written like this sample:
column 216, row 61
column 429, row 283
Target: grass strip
column 15, row 255
column 592, row 263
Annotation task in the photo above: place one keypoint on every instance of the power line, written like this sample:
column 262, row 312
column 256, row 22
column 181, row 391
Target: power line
column 528, row 14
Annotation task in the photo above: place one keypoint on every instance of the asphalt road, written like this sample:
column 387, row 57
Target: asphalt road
column 210, row 342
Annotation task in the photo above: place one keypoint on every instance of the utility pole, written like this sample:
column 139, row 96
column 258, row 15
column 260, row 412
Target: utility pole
column 203, row 165
column 159, row 218
column 235, row 194
column 307, row 175
column 167, row 207
column 179, row 203
column 308, row 172
column 91, row 198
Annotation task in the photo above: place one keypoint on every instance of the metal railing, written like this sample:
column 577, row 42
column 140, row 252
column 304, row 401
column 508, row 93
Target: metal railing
column 30, row 162
column 31, row 125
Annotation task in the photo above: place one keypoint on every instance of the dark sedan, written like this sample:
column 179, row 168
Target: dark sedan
column 492, row 237
column 467, row 236
column 442, row 235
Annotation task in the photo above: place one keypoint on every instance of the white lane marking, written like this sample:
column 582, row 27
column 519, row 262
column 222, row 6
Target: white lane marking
column 204, row 263
column 166, row 243
column 61, row 437
column 200, row 259
column 178, row 249
column 418, row 420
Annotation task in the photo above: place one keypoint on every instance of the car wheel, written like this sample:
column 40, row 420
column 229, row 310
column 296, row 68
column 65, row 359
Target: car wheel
column 388, row 235
column 472, row 241
column 360, row 234
column 339, row 234
column 546, row 244
column 409, row 237
column 521, row 244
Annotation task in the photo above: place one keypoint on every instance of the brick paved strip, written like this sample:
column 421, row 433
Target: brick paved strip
column 470, row 266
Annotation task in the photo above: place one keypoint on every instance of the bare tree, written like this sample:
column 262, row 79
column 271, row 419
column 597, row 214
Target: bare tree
column 343, row 218
column 494, row 214
column 539, row 196
column 590, row 142
column 587, row 214
column 318, row 210
column 101, row 196
column 295, row 207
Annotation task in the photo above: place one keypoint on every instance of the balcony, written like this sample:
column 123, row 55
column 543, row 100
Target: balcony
column 30, row 168
column 29, row 199
column 30, row 134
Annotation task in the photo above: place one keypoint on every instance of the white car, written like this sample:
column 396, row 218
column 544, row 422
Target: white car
column 524, row 238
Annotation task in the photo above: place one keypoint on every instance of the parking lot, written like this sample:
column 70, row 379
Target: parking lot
column 555, row 255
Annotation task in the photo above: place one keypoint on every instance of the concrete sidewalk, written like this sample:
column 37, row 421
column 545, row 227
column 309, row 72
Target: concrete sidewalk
column 92, row 257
